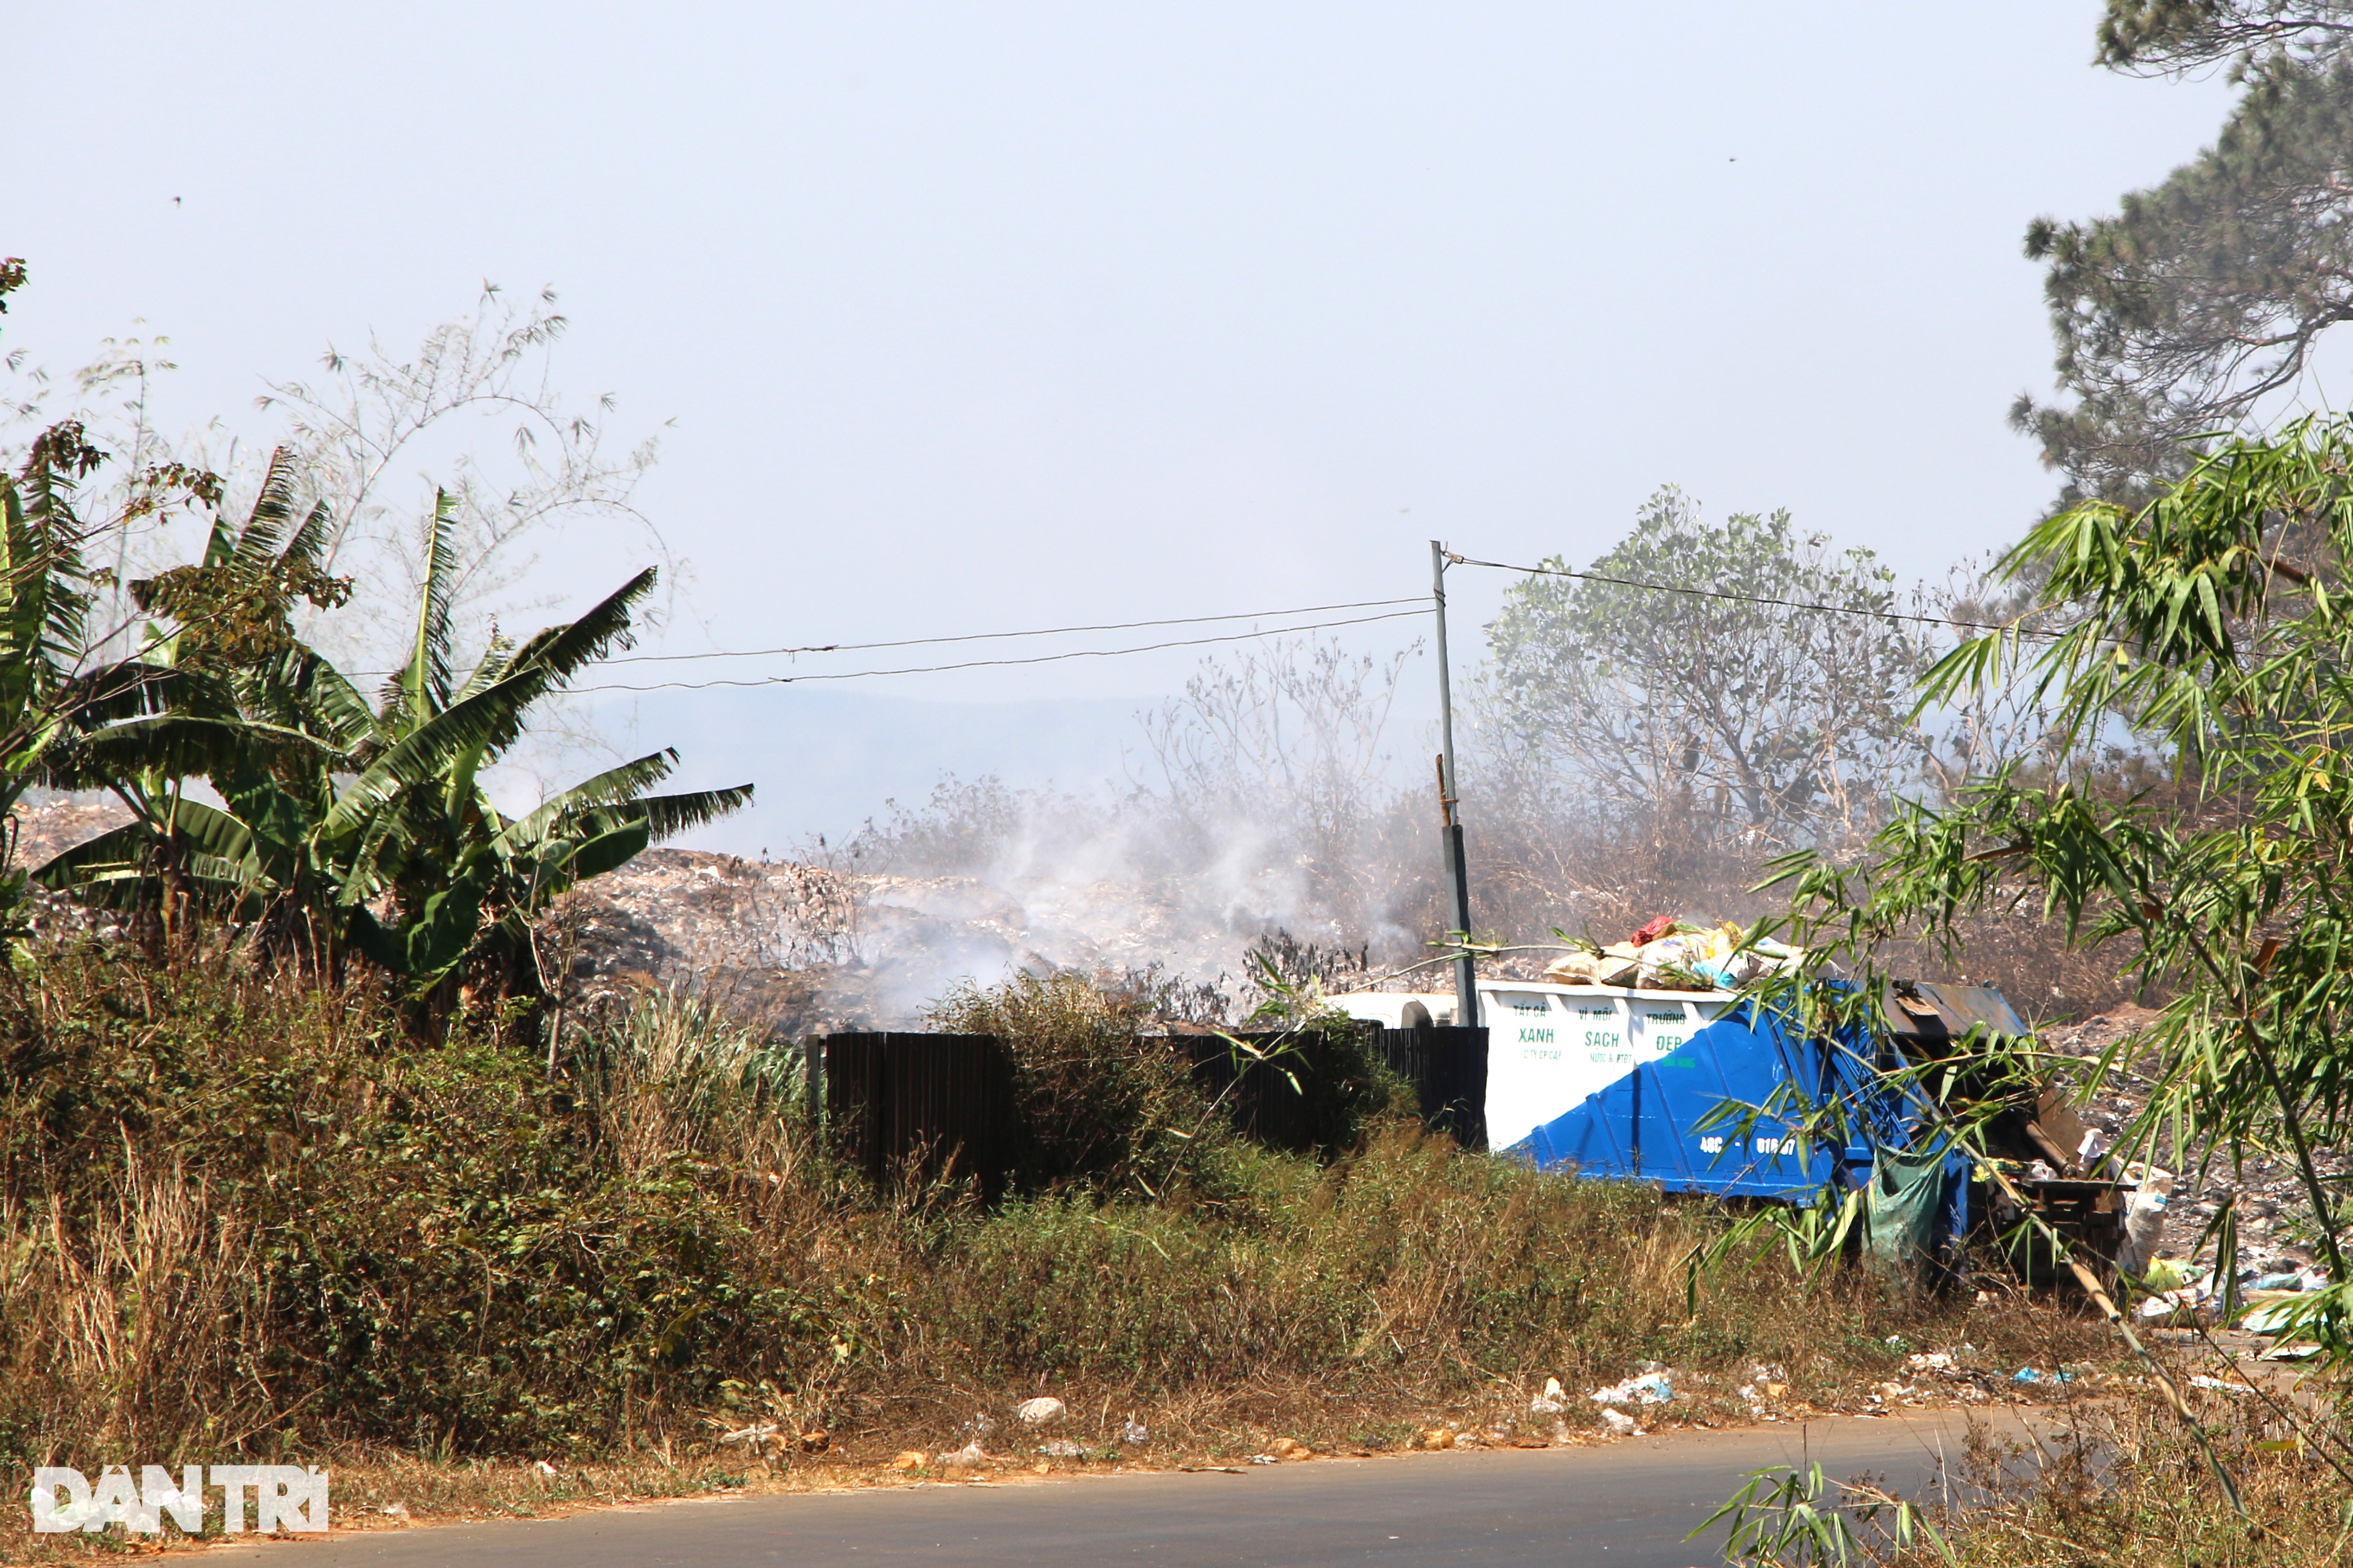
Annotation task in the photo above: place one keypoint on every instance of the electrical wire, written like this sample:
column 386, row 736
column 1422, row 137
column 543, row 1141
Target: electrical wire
column 1719, row 593
column 999, row 637
column 998, row 663
column 1754, row 598
column 981, row 637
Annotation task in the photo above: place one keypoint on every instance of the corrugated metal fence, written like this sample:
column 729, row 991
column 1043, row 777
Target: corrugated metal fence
column 1447, row 1069
column 904, row 1105
column 922, row 1106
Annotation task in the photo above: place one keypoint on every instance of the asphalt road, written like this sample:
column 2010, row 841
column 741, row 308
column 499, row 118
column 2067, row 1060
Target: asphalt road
column 1628, row 1505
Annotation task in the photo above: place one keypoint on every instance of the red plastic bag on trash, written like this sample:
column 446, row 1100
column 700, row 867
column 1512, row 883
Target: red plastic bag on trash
column 1653, row 931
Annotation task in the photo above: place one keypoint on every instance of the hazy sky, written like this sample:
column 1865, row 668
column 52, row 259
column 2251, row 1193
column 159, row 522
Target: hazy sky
column 982, row 317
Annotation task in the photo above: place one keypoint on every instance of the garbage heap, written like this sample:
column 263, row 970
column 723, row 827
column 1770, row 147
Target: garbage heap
column 1678, row 954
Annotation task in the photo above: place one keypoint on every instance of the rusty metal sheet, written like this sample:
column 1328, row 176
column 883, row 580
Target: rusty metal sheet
column 1937, row 1013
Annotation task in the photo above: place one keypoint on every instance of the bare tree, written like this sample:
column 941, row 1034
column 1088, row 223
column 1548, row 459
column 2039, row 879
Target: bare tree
column 380, row 435
column 1286, row 744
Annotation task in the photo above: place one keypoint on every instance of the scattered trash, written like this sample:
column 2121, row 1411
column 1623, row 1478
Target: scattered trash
column 756, row 1436
column 2172, row 1307
column 2201, row 1380
column 1264, row 1459
column 1766, row 1381
column 1043, row 1411
column 1618, row 1422
column 964, row 1457
column 2280, row 1445
column 1062, row 1448
column 2292, row 1353
column 1134, row 1433
column 2273, row 1317
column 909, row 1459
column 545, row 1468
column 2031, row 1374
column 395, row 1510
column 981, row 1424
column 1552, row 1401
column 1930, row 1361
column 1645, row 1388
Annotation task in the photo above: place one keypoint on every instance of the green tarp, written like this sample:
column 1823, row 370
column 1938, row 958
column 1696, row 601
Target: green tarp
column 1899, row 1213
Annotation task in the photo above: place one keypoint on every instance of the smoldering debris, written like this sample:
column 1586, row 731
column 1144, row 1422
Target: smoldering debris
column 802, row 948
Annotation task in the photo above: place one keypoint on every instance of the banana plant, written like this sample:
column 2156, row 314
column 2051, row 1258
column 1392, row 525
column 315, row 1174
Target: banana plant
column 44, row 603
column 366, row 829
column 52, row 693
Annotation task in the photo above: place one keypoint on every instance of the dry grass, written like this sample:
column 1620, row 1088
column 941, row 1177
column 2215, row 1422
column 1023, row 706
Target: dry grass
column 239, row 1221
column 2121, row 1481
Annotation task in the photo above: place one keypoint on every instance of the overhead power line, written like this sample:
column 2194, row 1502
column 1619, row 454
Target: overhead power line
column 1418, row 601
column 1000, row 636
column 985, row 637
column 1750, row 598
column 997, row 663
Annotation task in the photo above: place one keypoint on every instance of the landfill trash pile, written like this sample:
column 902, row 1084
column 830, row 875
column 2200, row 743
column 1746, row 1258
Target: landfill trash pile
column 1670, row 954
column 810, row 949
column 48, row 828
column 2273, row 1221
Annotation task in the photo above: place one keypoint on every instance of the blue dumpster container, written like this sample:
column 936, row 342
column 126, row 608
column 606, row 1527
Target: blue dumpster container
column 1719, row 1115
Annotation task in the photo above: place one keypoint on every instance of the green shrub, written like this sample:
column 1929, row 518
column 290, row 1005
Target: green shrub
column 1099, row 1103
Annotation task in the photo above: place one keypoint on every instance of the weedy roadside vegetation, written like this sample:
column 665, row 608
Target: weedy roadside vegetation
column 2110, row 1481
column 241, row 1215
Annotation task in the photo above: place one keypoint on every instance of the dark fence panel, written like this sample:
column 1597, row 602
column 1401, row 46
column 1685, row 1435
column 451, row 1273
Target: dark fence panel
column 1261, row 1094
column 1447, row 1069
column 932, row 1105
column 942, row 1106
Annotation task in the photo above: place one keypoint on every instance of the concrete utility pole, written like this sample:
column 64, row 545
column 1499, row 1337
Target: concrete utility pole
column 1466, row 978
